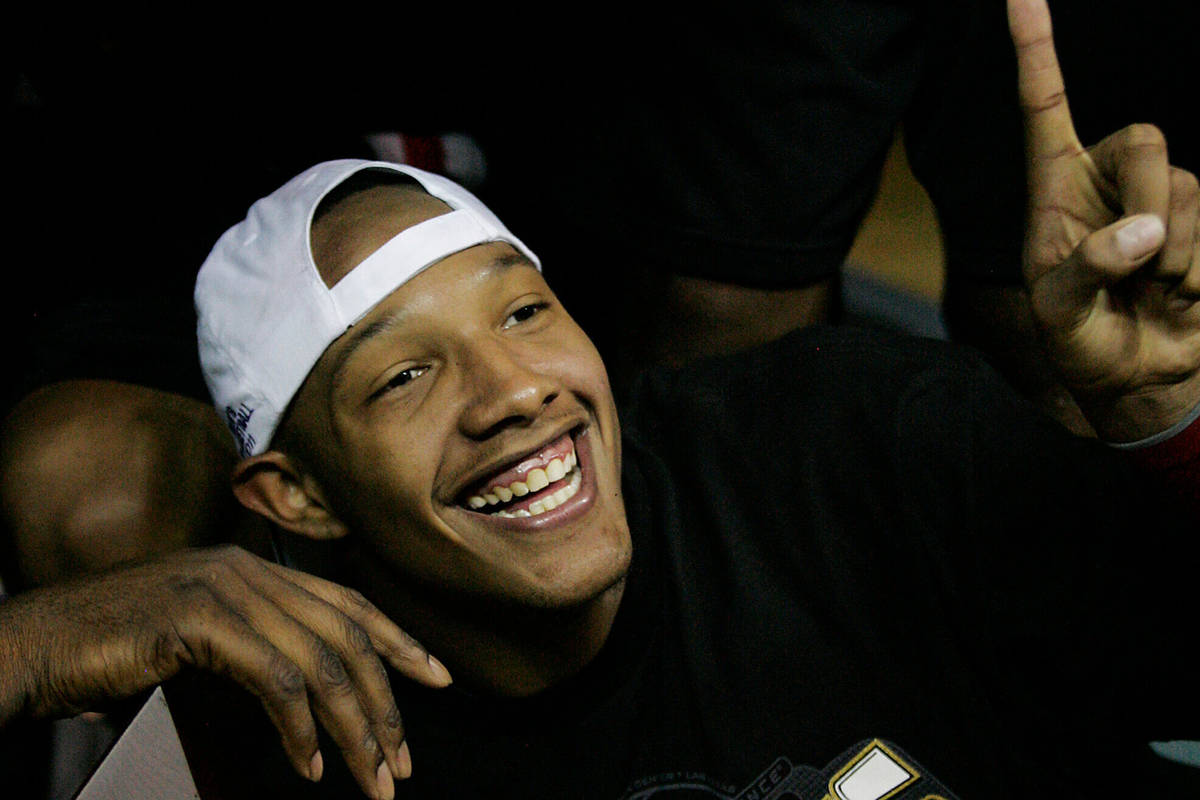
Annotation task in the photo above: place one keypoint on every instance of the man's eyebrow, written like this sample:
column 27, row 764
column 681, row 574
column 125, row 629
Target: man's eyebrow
column 511, row 260
column 360, row 336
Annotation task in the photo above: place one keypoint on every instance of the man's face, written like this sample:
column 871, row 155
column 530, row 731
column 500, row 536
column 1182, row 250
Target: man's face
column 466, row 431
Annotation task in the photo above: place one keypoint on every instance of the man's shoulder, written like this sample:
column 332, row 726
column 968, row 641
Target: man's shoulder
column 820, row 367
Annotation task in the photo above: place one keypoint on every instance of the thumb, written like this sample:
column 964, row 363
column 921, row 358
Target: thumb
column 1101, row 259
column 1127, row 244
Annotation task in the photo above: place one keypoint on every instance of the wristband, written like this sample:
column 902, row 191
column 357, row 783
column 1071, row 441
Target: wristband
column 1173, row 454
column 1162, row 437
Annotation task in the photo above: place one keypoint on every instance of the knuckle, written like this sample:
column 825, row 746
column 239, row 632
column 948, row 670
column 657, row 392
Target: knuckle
column 392, row 719
column 1095, row 250
column 1177, row 366
column 1188, row 285
column 1144, row 136
column 331, row 670
column 358, row 639
column 160, row 650
column 166, row 650
column 353, row 598
column 1184, row 185
column 219, row 573
column 226, row 553
column 192, row 589
column 286, row 678
column 199, row 607
column 204, row 654
column 1171, row 272
column 369, row 742
column 1067, row 151
column 226, row 564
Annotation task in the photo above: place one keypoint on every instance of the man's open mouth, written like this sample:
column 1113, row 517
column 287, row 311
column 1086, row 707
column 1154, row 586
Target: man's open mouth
column 536, row 484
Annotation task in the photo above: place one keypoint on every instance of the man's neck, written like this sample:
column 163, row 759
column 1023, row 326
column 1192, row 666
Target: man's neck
column 514, row 652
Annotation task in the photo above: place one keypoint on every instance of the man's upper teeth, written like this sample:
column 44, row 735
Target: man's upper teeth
column 549, row 502
column 535, row 481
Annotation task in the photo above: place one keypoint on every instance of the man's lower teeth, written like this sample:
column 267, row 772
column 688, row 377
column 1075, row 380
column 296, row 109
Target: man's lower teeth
column 547, row 503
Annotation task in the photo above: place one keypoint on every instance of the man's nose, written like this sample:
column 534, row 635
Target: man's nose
column 506, row 389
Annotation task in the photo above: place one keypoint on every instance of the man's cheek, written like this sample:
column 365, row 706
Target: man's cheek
column 583, row 368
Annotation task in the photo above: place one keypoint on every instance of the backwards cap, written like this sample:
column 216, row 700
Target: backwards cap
column 265, row 315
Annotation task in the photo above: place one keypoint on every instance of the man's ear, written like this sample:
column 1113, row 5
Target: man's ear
column 270, row 485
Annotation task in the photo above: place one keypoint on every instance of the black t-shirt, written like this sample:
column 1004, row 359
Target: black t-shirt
column 848, row 546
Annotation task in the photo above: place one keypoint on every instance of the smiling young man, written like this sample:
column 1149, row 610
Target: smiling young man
column 840, row 565
column 464, row 430
column 824, row 559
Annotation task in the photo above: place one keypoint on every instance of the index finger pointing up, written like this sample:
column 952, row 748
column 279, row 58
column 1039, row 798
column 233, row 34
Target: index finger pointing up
column 1049, row 131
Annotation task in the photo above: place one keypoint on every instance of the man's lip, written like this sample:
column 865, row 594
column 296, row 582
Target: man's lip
column 514, row 468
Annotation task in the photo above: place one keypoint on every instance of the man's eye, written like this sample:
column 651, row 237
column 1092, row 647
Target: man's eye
column 524, row 313
column 401, row 378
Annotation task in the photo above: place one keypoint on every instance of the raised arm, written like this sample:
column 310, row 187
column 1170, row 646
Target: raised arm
column 1111, row 257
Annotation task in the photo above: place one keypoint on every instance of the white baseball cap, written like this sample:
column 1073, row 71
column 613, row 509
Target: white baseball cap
column 264, row 314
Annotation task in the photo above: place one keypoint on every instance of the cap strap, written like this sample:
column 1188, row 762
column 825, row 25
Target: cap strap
column 402, row 257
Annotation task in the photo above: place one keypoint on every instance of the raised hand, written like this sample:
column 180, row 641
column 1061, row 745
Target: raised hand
column 302, row 645
column 1112, row 260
